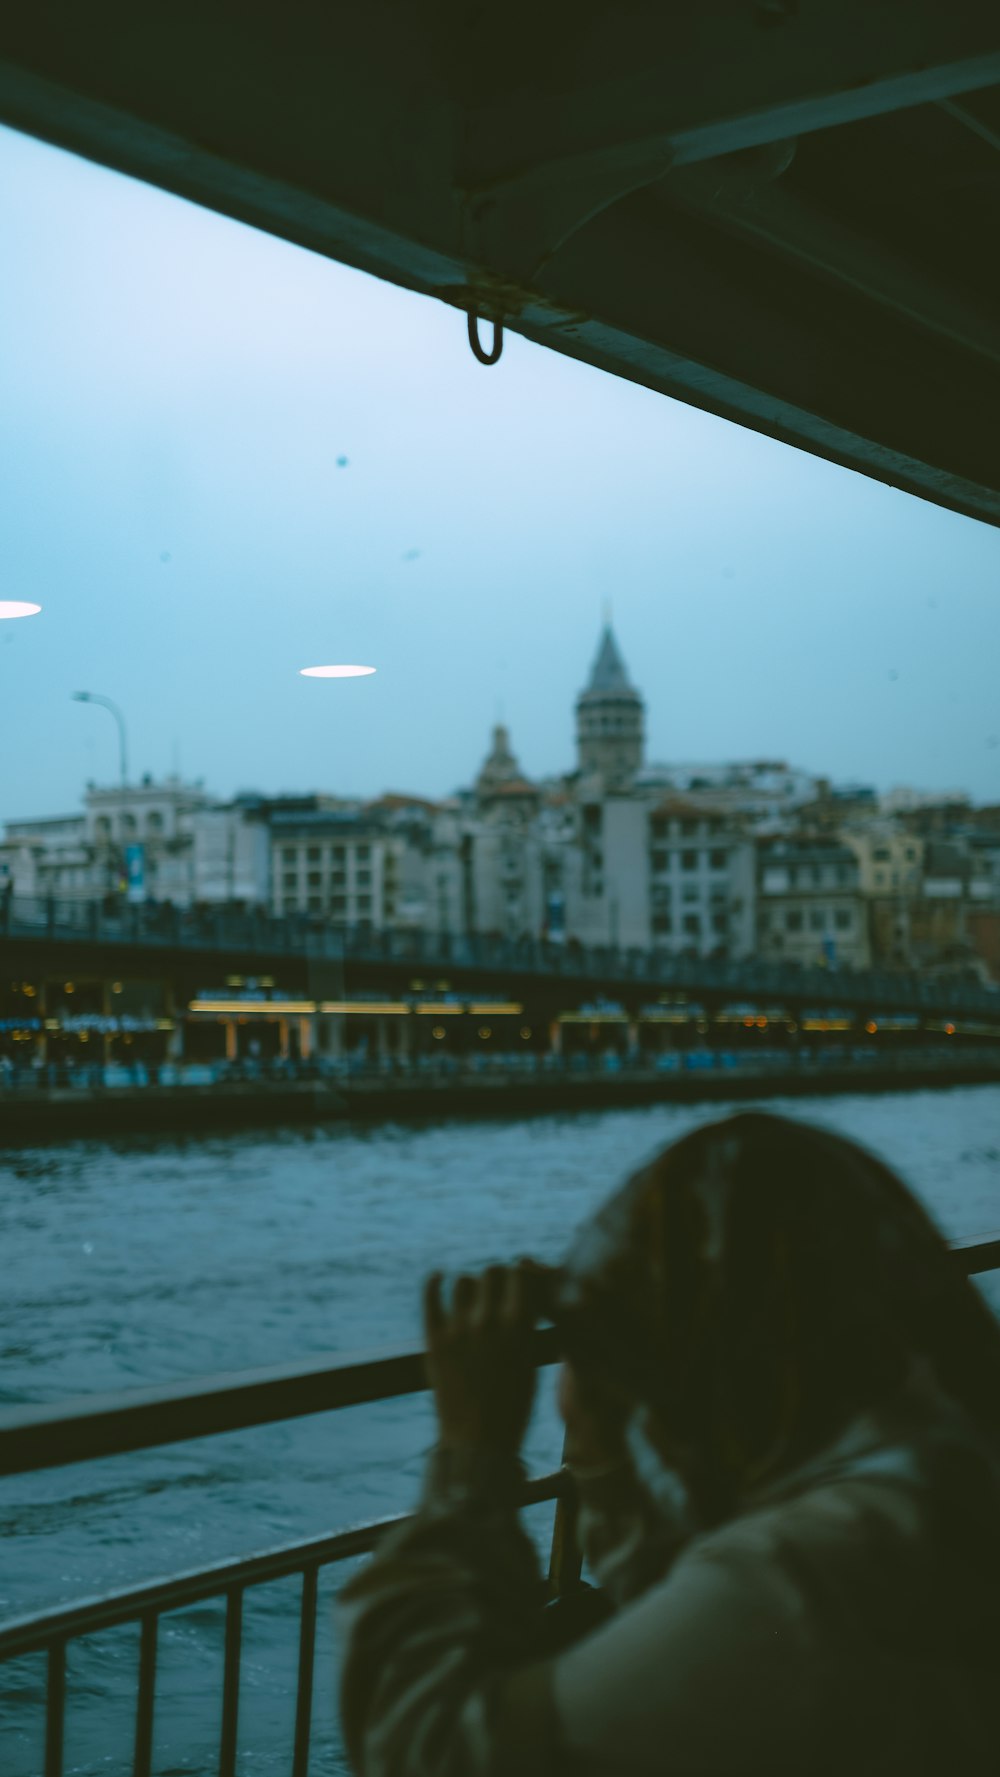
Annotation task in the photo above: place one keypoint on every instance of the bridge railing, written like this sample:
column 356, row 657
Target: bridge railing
column 256, row 933
column 36, row 1438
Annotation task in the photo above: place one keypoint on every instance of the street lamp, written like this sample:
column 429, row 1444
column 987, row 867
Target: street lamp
column 106, row 703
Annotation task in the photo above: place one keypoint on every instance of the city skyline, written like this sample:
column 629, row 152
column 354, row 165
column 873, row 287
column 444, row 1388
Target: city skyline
column 500, row 733
column 224, row 459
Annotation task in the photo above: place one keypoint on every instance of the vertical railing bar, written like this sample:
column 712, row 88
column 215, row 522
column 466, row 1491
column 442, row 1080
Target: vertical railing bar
column 231, row 1682
column 566, row 1558
column 307, row 1660
column 55, row 1709
column 143, row 1761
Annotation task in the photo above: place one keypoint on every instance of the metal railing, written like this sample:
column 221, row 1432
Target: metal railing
column 36, row 1438
column 258, row 934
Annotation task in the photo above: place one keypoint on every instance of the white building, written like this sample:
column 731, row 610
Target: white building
column 141, row 836
column 810, row 906
column 231, row 855
column 702, row 875
column 47, row 857
column 328, row 863
column 152, row 841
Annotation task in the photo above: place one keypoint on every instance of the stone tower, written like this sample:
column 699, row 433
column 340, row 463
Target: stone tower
column 609, row 718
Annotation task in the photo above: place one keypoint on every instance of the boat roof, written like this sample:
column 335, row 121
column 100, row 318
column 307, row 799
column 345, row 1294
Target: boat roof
column 784, row 214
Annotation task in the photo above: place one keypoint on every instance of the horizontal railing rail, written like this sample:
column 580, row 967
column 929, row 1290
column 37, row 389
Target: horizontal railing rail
column 84, row 1430
column 31, row 1634
column 93, row 1426
column 109, row 1610
column 90, row 1427
column 976, row 1253
column 50, row 1631
column 38, row 1437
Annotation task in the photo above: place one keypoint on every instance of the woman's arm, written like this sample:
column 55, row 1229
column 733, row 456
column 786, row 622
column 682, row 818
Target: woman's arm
column 439, row 1678
column 440, row 1620
column 439, row 1629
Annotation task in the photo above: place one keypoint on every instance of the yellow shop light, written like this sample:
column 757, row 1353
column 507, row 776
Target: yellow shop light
column 277, row 1008
column 371, row 1008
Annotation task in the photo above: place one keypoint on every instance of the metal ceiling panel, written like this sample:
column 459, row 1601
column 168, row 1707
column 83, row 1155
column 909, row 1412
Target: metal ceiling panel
column 782, row 211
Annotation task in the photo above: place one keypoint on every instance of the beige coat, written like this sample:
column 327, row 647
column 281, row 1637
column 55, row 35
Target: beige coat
column 845, row 1621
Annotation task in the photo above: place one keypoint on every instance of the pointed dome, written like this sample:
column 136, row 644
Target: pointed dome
column 500, row 766
column 608, row 672
column 609, row 717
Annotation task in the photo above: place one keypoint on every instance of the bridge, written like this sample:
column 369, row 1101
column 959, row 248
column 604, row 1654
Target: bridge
column 47, row 940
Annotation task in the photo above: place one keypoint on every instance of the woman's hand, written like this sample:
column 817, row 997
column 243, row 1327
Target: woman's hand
column 479, row 1355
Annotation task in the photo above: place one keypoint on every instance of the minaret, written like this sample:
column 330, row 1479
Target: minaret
column 609, row 717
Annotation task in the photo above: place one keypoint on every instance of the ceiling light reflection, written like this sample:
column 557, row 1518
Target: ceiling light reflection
column 18, row 608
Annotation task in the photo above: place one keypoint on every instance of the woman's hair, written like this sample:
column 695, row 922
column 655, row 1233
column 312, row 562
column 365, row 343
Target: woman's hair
column 756, row 1286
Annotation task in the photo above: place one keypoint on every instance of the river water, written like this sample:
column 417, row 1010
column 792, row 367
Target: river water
column 141, row 1261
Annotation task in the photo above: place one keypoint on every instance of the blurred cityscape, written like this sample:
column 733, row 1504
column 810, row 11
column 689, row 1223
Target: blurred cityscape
column 732, row 860
column 620, row 915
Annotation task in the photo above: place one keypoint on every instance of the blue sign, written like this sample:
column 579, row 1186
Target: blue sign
column 555, row 917
column 135, row 872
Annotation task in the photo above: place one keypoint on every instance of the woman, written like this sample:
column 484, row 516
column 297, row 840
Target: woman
column 782, row 1401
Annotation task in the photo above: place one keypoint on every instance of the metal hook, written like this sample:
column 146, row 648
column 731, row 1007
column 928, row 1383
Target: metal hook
column 476, row 343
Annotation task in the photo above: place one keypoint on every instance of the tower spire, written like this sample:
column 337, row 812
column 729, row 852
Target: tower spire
column 500, row 765
column 609, row 716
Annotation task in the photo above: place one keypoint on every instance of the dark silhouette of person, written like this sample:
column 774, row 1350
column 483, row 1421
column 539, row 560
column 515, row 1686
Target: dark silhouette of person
column 782, row 1400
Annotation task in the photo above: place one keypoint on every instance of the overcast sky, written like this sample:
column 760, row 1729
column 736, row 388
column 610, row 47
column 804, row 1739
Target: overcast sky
column 175, row 393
